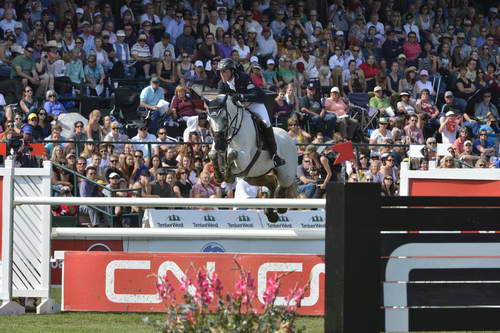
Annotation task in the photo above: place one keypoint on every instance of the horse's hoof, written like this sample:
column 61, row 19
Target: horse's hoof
column 282, row 210
column 272, row 217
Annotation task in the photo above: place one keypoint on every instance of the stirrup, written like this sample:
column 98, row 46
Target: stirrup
column 278, row 161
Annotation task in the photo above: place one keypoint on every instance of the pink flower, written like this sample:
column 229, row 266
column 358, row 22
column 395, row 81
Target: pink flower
column 271, row 290
column 185, row 283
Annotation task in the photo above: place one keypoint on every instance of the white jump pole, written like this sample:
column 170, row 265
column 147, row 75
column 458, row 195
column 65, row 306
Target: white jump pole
column 174, row 202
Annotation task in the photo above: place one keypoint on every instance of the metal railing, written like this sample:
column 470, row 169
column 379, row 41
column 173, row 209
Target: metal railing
column 76, row 175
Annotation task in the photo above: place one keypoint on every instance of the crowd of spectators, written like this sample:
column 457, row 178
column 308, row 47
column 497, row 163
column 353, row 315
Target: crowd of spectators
column 425, row 71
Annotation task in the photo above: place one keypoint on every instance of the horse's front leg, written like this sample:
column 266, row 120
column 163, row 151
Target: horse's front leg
column 214, row 156
column 231, row 157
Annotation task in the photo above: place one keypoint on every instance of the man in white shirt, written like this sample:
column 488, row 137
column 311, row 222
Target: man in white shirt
column 410, row 26
column 250, row 23
column 8, row 22
column 309, row 62
column 277, row 26
column 266, row 45
column 378, row 26
column 222, row 20
column 161, row 46
column 143, row 136
column 313, row 22
column 213, row 23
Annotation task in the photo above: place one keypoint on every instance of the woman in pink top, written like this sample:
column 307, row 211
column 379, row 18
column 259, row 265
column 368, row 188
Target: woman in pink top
column 334, row 104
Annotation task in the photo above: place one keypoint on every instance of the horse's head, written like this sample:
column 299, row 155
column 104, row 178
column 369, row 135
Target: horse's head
column 218, row 118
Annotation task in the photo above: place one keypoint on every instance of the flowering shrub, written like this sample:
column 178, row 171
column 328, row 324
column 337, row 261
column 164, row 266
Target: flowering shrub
column 206, row 308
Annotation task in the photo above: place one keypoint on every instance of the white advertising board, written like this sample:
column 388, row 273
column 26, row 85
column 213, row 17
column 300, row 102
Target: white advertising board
column 233, row 219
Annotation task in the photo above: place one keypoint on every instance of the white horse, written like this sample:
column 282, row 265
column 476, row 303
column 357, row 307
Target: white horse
column 237, row 151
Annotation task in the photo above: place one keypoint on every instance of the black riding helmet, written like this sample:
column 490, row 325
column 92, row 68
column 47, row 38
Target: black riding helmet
column 226, row 63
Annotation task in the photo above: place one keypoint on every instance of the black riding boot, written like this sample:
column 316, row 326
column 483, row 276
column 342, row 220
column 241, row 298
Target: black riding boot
column 271, row 142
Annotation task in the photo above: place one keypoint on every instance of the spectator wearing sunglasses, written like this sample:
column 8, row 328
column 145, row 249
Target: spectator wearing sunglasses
column 53, row 107
column 115, row 136
column 143, row 136
column 482, row 109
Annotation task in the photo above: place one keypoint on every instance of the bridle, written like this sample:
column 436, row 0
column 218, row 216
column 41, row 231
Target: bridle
column 233, row 127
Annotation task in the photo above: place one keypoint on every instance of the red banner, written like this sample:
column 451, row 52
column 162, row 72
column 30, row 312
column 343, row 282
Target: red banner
column 78, row 245
column 124, row 282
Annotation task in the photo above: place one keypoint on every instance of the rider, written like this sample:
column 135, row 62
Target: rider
column 239, row 85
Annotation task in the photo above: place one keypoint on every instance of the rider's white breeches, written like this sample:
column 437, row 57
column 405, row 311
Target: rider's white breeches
column 260, row 110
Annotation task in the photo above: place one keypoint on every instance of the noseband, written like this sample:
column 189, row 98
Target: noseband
column 224, row 137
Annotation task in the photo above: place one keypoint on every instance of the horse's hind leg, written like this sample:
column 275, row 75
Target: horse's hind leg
column 271, row 183
column 281, row 192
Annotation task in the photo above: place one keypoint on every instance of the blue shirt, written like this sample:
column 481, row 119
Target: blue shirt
column 94, row 73
column 152, row 97
column 476, row 143
column 54, row 109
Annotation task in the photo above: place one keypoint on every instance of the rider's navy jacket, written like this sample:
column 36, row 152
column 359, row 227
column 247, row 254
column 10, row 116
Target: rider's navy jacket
column 244, row 86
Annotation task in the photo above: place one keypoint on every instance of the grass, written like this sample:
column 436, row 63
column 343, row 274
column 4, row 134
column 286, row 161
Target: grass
column 93, row 322
column 86, row 322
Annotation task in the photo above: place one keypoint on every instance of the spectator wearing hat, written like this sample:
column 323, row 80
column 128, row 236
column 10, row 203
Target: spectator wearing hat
column 256, row 76
column 20, row 36
column 468, row 155
column 196, row 75
column 36, row 130
column 123, row 61
column 449, row 126
column 405, row 105
column 312, row 110
column 307, row 184
column 313, row 22
column 378, row 101
column 160, row 187
column 87, row 188
column 186, row 42
column 144, row 184
column 152, row 98
column 142, row 55
column 424, row 83
column 334, row 104
column 409, row 81
column 271, row 75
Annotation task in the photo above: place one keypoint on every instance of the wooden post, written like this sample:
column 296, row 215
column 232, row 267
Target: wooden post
column 352, row 258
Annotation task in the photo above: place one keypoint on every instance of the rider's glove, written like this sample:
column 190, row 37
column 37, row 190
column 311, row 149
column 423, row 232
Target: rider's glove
column 238, row 98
